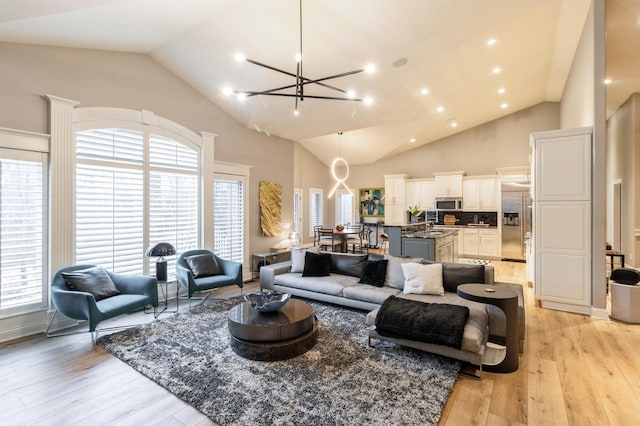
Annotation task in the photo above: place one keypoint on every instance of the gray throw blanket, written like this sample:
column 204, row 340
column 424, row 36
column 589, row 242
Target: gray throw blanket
column 438, row 323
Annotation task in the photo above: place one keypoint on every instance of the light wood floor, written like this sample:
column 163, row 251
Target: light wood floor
column 575, row 370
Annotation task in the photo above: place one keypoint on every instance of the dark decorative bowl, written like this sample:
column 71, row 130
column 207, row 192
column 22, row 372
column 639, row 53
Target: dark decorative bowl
column 267, row 301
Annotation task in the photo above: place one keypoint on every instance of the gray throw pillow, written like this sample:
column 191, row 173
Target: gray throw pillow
column 203, row 265
column 297, row 257
column 93, row 280
column 395, row 276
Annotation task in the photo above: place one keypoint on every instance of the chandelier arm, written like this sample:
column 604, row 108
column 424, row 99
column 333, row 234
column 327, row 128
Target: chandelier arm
column 306, row 81
column 260, row 64
column 293, row 95
column 298, row 85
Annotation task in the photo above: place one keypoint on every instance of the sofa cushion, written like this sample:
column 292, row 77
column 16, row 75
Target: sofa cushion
column 374, row 272
column 333, row 284
column 203, row 265
column 368, row 293
column 422, row 279
column 395, row 276
column 348, row 264
column 297, row 257
column 454, row 274
column 316, row 264
column 93, row 280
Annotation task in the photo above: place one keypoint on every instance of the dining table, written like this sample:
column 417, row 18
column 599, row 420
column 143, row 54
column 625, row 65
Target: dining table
column 343, row 237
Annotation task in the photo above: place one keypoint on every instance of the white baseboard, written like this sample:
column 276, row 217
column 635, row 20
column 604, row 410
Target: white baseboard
column 599, row 313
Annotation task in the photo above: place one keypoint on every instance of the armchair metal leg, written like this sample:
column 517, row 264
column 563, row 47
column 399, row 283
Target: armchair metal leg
column 94, row 334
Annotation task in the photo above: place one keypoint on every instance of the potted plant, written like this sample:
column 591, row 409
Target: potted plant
column 415, row 213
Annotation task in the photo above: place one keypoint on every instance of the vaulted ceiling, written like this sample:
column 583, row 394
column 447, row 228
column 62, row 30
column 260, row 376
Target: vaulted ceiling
column 438, row 45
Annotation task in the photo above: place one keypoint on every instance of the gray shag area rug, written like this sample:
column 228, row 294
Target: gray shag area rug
column 341, row 381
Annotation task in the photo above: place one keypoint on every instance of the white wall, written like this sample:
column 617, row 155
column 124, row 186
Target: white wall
column 136, row 81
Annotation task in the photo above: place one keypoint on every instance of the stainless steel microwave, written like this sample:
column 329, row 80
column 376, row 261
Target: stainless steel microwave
column 449, row 203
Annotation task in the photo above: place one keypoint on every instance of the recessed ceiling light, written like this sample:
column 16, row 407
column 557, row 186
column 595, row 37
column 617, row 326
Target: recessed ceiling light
column 453, row 123
column 496, row 70
column 501, row 90
column 491, row 41
column 412, row 140
column 440, row 108
column 504, row 105
column 424, row 91
column 607, row 81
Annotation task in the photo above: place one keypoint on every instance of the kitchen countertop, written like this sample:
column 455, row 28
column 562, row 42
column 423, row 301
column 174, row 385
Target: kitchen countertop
column 463, row 226
column 430, row 234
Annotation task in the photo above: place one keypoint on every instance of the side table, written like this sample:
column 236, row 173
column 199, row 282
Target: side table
column 497, row 358
column 261, row 259
column 164, row 288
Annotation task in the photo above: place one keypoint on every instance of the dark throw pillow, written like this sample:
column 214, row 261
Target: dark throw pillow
column 316, row 265
column 203, row 265
column 348, row 264
column 374, row 272
column 93, row 280
column 454, row 274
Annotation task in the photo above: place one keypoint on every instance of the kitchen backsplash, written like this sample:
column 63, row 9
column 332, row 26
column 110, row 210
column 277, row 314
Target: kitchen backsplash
column 464, row 218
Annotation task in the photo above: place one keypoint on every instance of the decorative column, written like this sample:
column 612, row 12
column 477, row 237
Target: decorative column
column 62, row 154
column 207, row 164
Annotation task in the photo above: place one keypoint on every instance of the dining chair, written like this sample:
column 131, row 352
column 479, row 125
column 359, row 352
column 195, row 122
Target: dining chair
column 316, row 235
column 328, row 239
column 384, row 245
column 363, row 243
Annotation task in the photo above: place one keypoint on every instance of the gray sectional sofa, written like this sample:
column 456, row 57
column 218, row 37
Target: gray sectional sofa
column 342, row 287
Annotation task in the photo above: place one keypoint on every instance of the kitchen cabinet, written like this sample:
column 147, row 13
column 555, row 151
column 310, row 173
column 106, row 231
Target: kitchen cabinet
column 395, row 205
column 562, row 208
column 448, row 184
column 421, row 193
column 480, row 194
column 423, row 248
column 517, row 174
column 480, row 242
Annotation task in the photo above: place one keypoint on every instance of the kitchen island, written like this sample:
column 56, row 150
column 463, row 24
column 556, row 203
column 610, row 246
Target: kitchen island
column 417, row 240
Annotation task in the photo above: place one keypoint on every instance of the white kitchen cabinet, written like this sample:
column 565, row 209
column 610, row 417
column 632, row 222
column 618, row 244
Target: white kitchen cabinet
column 470, row 242
column 480, row 242
column 421, row 193
column 395, row 205
column 488, row 243
column 480, row 194
column 448, row 184
column 562, row 219
column 471, row 194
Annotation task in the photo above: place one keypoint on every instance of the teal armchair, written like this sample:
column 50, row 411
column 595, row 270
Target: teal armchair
column 136, row 292
column 230, row 274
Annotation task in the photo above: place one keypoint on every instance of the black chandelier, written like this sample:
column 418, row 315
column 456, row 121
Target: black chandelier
column 301, row 81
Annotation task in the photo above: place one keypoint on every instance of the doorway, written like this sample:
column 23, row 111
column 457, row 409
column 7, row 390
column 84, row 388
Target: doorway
column 616, row 214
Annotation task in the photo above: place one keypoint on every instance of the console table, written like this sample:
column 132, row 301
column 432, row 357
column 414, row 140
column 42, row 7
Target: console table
column 261, row 259
column 497, row 358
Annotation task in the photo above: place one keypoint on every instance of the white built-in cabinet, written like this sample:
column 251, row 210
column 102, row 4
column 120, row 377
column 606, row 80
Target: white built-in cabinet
column 480, row 194
column 448, row 184
column 562, row 218
column 395, row 199
column 480, row 242
column 421, row 192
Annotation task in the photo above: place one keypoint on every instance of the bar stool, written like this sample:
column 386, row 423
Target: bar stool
column 384, row 245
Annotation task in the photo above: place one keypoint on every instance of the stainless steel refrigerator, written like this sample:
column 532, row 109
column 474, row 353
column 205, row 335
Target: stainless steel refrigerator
column 516, row 219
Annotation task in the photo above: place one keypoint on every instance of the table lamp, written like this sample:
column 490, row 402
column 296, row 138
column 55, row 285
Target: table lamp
column 160, row 250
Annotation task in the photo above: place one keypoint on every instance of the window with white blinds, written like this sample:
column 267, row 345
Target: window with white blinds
column 228, row 216
column 22, row 231
column 315, row 209
column 344, row 207
column 114, row 183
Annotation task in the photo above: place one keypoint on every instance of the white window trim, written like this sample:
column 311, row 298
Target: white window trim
column 299, row 192
column 244, row 170
column 312, row 192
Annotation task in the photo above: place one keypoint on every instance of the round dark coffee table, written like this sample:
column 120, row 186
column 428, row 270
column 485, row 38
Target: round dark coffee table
column 272, row 336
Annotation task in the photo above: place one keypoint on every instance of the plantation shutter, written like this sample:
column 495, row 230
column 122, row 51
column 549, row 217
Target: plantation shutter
column 229, row 217
column 344, row 202
column 173, row 197
column 22, row 230
column 315, row 208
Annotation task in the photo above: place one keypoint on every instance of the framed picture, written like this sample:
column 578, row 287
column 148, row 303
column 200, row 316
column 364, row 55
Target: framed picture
column 371, row 202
